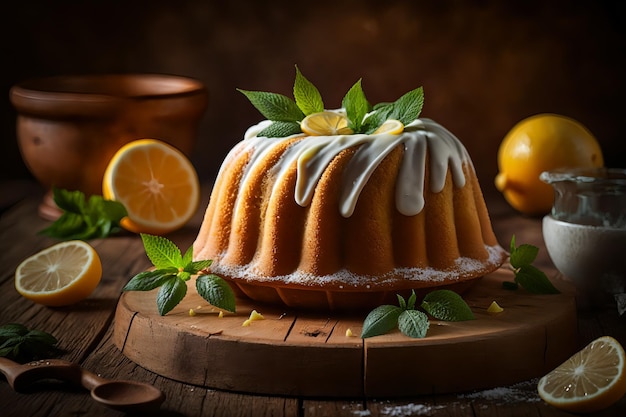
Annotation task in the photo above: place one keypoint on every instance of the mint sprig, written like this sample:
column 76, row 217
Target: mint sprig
column 84, row 218
column 286, row 114
column 529, row 277
column 445, row 305
column 21, row 344
column 172, row 271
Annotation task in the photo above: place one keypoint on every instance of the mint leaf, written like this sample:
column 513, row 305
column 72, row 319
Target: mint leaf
column 447, row 305
column 375, row 119
column 280, row 130
column 275, row 107
column 170, row 294
column 216, row 291
column 401, row 302
column 380, row 320
column 534, row 280
column 149, row 280
column 308, row 97
column 19, row 343
column 84, row 219
column 523, row 255
column 173, row 270
column 356, row 106
column 413, row 323
column 198, row 266
column 527, row 276
column 162, row 252
column 412, row 299
column 408, row 107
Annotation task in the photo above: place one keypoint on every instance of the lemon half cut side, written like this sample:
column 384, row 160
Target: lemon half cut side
column 590, row 380
column 60, row 275
column 156, row 183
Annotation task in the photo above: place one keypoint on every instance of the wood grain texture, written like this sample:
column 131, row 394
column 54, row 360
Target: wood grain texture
column 308, row 354
column 85, row 333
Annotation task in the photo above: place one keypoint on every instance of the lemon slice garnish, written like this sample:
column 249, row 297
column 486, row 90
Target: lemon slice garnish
column 390, row 127
column 326, row 123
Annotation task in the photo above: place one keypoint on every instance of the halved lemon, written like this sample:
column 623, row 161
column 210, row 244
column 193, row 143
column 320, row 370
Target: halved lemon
column 391, row 127
column 60, row 275
column 156, row 183
column 326, row 123
column 591, row 380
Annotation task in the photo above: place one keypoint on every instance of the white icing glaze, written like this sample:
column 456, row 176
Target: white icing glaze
column 312, row 154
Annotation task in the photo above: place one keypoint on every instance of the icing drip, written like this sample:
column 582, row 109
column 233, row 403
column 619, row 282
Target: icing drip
column 313, row 154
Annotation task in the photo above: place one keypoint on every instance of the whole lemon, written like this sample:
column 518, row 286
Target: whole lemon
column 542, row 143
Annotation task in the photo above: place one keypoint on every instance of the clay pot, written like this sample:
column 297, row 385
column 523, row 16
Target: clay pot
column 69, row 127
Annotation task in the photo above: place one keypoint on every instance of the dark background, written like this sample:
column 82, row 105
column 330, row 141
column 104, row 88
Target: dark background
column 484, row 65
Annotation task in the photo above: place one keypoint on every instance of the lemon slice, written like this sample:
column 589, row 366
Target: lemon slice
column 390, row 127
column 326, row 123
column 591, row 380
column 60, row 275
column 156, row 183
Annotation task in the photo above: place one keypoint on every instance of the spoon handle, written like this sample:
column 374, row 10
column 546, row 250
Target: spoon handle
column 21, row 376
column 89, row 380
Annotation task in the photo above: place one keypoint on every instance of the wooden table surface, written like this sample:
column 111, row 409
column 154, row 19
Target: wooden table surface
column 84, row 332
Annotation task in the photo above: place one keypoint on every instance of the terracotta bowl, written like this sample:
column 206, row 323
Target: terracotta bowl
column 69, row 127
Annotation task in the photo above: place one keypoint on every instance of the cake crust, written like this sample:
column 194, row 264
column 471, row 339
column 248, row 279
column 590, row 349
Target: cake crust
column 347, row 222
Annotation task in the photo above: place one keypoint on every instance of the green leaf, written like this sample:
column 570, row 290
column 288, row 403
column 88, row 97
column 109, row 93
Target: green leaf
column 280, row 130
column 216, row 291
column 308, row 97
column 447, row 305
column 512, row 244
column 413, row 323
column 41, row 337
column 113, row 210
column 523, row 255
column 401, row 301
column 149, row 280
column 198, row 266
column 375, row 119
column 534, row 280
column 408, row 107
column 412, row 299
column 70, row 201
column 12, row 330
column 162, row 252
column 275, row 107
column 21, row 344
column 380, row 320
column 188, row 257
column 356, row 106
column 510, row 285
column 170, row 294
column 84, row 219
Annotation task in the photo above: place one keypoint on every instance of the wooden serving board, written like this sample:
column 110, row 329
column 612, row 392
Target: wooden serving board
column 307, row 354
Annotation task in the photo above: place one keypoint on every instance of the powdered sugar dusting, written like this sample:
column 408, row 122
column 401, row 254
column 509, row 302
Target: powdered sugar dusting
column 464, row 267
column 523, row 392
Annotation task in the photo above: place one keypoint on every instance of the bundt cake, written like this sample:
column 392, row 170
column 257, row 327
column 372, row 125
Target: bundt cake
column 347, row 222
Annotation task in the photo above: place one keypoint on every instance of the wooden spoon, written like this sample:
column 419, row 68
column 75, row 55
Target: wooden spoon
column 121, row 395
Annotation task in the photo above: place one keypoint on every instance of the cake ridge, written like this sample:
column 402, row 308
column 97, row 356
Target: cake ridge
column 313, row 154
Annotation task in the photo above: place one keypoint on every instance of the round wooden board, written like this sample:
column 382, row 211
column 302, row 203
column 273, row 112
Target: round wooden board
column 307, row 354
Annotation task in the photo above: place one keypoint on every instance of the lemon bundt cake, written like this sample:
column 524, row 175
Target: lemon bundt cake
column 347, row 221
